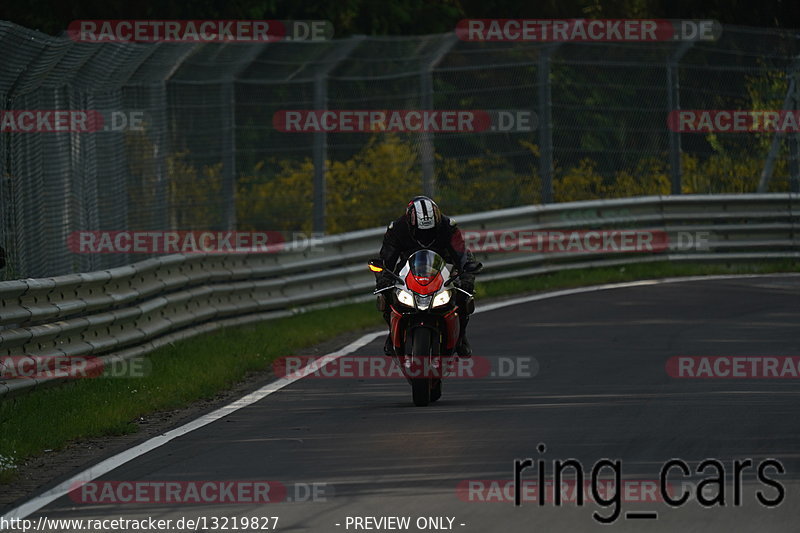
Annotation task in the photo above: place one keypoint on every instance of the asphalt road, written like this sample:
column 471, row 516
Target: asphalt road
column 598, row 389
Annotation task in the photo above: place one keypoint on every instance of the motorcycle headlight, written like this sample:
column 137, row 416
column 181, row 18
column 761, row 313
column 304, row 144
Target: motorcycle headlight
column 405, row 298
column 442, row 298
column 423, row 302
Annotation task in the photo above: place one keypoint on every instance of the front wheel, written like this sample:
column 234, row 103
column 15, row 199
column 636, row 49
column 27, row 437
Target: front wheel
column 421, row 348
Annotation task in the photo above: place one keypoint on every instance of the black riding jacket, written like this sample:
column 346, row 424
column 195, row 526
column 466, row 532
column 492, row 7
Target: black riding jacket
column 399, row 244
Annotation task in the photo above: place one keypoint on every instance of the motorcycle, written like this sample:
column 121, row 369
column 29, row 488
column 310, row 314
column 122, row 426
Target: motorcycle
column 424, row 323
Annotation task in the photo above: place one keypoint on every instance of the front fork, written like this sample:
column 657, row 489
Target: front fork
column 447, row 326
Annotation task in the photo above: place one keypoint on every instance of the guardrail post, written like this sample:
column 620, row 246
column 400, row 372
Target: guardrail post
column 426, row 96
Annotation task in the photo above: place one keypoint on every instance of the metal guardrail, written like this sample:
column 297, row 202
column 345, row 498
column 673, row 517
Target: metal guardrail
column 130, row 311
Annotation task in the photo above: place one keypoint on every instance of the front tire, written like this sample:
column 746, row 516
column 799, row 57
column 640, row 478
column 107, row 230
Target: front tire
column 421, row 348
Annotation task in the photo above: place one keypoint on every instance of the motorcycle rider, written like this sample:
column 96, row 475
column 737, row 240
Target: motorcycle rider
column 423, row 226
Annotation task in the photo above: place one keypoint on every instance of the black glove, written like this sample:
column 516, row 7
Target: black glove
column 466, row 282
column 385, row 279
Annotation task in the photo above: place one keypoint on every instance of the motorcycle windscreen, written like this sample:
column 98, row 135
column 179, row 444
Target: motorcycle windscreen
column 425, row 269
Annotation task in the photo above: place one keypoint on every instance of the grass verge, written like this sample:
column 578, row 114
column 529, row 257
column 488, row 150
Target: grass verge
column 195, row 369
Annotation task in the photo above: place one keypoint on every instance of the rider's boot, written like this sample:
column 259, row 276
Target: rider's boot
column 463, row 348
column 388, row 346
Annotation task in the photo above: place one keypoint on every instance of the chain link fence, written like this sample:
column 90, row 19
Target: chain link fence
column 189, row 140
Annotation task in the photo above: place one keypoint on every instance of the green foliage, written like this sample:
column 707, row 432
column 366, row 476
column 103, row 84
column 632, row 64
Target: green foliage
column 483, row 183
column 360, row 190
column 370, row 188
column 193, row 194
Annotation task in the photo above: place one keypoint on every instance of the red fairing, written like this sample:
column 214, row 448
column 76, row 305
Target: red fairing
column 395, row 325
column 424, row 286
column 453, row 328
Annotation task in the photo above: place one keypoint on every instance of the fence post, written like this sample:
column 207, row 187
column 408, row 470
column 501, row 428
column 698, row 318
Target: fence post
column 772, row 156
column 674, row 104
column 228, row 132
column 320, row 155
column 320, row 148
column 545, row 123
column 250, row 53
column 426, row 147
column 794, row 139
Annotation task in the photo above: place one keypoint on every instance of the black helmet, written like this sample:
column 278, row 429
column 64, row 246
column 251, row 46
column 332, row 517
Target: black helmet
column 424, row 217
